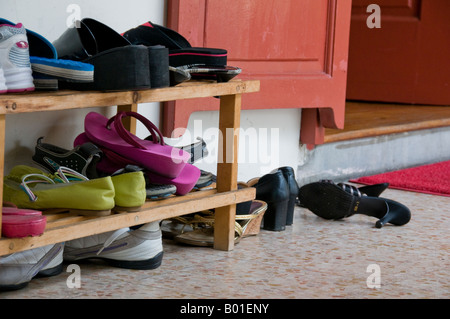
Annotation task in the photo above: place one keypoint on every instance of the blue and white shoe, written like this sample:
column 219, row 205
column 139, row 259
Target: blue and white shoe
column 47, row 66
column 15, row 58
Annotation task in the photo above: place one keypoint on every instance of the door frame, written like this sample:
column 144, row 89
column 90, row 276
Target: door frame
column 319, row 111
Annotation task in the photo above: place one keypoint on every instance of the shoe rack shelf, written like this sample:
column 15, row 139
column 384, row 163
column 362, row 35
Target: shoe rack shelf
column 62, row 226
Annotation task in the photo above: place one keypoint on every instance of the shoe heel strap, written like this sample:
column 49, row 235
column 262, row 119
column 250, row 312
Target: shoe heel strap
column 127, row 136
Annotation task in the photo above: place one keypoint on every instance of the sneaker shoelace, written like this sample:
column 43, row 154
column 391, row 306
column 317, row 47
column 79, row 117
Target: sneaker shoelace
column 112, row 238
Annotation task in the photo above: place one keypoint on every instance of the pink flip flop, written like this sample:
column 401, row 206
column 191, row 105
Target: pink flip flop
column 18, row 226
column 11, row 209
column 153, row 155
column 112, row 162
column 184, row 182
column 19, row 223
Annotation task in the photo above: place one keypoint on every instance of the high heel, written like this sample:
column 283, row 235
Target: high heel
column 397, row 214
column 275, row 218
column 330, row 201
column 273, row 189
column 289, row 175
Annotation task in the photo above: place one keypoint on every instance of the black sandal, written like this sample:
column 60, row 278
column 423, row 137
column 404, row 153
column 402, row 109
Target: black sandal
column 180, row 50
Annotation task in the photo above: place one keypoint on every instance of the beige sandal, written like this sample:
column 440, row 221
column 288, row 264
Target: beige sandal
column 175, row 226
column 245, row 225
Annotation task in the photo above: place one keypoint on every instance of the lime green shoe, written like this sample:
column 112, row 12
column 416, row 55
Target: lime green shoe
column 130, row 191
column 29, row 187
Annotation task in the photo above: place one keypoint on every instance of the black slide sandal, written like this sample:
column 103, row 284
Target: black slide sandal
column 118, row 65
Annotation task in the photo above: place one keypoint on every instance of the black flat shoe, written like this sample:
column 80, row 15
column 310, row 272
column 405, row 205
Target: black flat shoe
column 330, row 201
column 273, row 189
column 289, row 175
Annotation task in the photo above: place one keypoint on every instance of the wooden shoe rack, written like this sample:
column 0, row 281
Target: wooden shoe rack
column 64, row 226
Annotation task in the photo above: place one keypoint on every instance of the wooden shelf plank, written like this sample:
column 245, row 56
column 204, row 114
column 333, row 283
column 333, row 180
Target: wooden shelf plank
column 67, row 99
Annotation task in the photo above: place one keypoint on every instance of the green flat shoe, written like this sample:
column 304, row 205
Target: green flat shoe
column 29, row 187
column 130, row 191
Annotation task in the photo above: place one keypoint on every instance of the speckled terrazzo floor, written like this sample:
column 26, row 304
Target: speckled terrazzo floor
column 314, row 258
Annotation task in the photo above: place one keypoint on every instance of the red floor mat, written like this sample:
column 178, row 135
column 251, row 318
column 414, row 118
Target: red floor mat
column 430, row 179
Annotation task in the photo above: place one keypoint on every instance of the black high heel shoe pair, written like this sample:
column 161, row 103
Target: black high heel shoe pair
column 336, row 201
column 279, row 189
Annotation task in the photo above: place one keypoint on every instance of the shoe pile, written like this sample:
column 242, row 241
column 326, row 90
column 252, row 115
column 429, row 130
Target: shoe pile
column 162, row 163
column 92, row 56
column 72, row 181
column 101, row 151
column 70, row 189
column 93, row 180
column 109, row 169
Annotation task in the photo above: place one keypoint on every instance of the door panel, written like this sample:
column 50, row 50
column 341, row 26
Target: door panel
column 404, row 61
column 298, row 49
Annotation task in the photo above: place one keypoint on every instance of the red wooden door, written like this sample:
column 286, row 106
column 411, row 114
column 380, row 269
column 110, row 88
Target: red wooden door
column 407, row 59
column 298, row 49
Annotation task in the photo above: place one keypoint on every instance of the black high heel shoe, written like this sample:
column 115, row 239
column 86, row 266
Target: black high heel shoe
column 374, row 190
column 289, row 175
column 331, row 201
column 273, row 189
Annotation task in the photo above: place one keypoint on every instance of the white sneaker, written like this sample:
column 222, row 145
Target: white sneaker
column 15, row 58
column 3, row 88
column 124, row 248
column 17, row 270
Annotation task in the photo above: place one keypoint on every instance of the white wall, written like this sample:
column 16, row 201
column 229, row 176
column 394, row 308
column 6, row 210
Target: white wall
column 269, row 138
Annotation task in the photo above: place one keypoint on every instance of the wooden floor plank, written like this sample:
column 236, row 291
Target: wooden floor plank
column 364, row 119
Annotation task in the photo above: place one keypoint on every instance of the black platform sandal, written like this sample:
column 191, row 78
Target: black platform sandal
column 331, row 201
column 118, row 65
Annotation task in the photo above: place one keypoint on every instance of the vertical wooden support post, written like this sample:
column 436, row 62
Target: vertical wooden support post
column 227, row 169
column 2, row 161
column 129, row 122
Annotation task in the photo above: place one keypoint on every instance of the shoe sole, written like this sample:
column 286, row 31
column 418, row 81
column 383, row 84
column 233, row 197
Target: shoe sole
column 19, row 80
column 148, row 264
column 42, row 274
column 119, row 209
column 326, row 200
column 63, row 69
column 81, row 212
column 124, row 68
